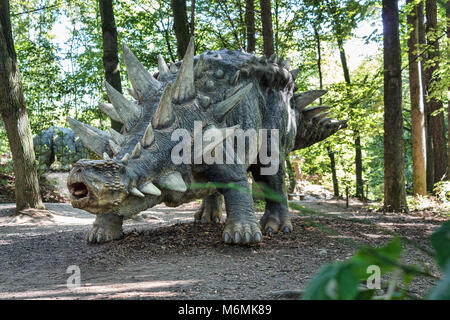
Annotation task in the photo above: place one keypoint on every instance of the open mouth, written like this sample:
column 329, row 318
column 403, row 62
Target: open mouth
column 79, row 190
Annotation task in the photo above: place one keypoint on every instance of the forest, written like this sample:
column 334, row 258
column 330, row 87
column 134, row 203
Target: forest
column 384, row 64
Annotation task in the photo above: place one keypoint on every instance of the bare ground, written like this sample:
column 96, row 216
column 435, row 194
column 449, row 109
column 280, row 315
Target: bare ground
column 165, row 255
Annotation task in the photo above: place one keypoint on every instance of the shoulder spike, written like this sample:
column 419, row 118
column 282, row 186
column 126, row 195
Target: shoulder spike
column 309, row 113
column 163, row 68
column 173, row 181
column 105, row 156
column 295, row 73
column 127, row 110
column 150, row 188
column 114, row 146
column 307, row 97
column 108, row 109
column 164, row 114
column 136, row 151
column 94, row 139
column 173, row 68
column 200, row 66
column 184, row 87
column 148, row 137
column 142, row 81
column 117, row 137
column 125, row 158
column 137, row 193
column 221, row 110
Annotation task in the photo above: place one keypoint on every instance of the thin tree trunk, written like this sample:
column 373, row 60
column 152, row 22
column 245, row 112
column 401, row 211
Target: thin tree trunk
column 192, row 23
column 267, row 31
column 250, row 24
column 333, row 172
column 181, row 26
column 358, row 150
column 448, row 102
column 110, row 50
column 437, row 124
column 429, row 142
column 291, row 173
column 394, row 167
column 417, row 110
column 14, row 115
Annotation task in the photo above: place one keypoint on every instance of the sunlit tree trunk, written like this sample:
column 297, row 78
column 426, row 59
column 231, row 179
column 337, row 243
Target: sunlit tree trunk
column 417, row 110
column 266, row 18
column 250, row 24
column 394, row 167
column 110, row 50
column 181, row 26
column 437, row 124
column 448, row 102
column 14, row 115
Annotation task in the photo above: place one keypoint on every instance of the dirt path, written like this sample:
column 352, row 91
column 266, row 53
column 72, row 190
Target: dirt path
column 165, row 255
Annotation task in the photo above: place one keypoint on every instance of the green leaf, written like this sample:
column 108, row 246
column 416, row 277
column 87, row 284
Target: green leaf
column 442, row 290
column 440, row 240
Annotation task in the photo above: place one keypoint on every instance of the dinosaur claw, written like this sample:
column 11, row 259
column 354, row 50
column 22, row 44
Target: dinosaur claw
column 237, row 237
column 257, row 237
column 226, row 238
column 247, row 238
column 286, row 229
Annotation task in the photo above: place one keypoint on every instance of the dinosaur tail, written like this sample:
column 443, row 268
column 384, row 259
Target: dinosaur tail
column 312, row 123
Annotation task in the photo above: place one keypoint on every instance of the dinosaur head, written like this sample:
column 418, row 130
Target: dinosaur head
column 98, row 186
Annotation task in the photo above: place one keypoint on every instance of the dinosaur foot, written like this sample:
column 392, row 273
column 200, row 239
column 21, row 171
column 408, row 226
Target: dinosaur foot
column 242, row 232
column 210, row 210
column 107, row 227
column 274, row 223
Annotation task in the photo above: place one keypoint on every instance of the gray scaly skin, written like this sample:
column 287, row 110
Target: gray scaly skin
column 222, row 89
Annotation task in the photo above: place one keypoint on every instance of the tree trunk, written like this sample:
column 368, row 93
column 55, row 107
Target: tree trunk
column 14, row 115
column 110, row 50
column 394, row 167
column 417, row 110
column 437, row 124
column 447, row 9
column 250, row 25
column 192, row 23
column 291, row 173
column 358, row 150
column 267, row 31
column 429, row 143
column 181, row 26
column 333, row 172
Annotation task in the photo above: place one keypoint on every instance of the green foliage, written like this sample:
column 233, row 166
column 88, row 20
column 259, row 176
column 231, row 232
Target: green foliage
column 347, row 280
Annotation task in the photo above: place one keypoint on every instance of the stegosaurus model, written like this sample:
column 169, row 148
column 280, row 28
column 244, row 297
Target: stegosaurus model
column 226, row 92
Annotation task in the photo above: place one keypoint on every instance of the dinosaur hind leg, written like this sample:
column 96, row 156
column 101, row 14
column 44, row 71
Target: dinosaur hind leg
column 211, row 209
column 276, row 216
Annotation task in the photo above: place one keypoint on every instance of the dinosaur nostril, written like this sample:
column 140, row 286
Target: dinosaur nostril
column 79, row 170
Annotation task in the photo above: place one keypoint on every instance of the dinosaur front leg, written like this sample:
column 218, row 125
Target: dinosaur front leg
column 276, row 216
column 241, row 226
column 211, row 209
column 106, row 227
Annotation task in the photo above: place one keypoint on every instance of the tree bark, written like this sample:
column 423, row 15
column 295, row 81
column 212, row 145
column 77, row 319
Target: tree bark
column 14, row 115
column 110, row 50
column 437, row 124
column 267, row 31
column 417, row 110
column 358, row 150
column 394, row 167
column 192, row 23
column 250, row 25
column 333, row 172
column 181, row 26
column 429, row 143
column 447, row 9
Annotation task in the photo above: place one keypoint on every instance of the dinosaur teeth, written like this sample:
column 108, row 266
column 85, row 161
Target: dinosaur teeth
column 137, row 193
column 94, row 139
column 117, row 137
column 309, row 113
column 164, row 114
column 184, row 87
column 162, row 68
column 305, row 98
column 127, row 111
column 173, row 181
column 108, row 109
column 223, row 108
column 148, row 137
column 125, row 158
column 136, row 151
column 150, row 188
column 114, row 146
column 142, row 81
